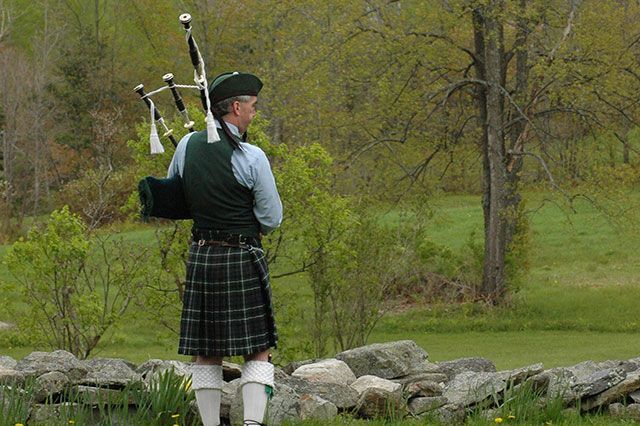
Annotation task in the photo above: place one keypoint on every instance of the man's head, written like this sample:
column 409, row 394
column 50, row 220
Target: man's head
column 234, row 96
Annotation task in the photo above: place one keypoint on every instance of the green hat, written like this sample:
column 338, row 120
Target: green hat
column 230, row 84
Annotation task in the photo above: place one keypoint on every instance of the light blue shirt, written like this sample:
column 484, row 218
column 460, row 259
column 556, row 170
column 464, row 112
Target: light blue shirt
column 252, row 170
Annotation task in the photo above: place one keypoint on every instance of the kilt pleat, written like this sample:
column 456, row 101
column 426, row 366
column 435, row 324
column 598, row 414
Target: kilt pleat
column 227, row 307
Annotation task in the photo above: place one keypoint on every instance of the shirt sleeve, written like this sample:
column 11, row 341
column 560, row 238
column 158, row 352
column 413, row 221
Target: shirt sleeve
column 177, row 162
column 268, row 207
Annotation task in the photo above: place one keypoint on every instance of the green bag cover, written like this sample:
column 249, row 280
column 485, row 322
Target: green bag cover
column 163, row 198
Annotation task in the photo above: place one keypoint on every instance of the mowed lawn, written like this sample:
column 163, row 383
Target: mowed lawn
column 579, row 301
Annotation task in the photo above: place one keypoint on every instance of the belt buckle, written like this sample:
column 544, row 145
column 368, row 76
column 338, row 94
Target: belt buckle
column 201, row 242
column 241, row 240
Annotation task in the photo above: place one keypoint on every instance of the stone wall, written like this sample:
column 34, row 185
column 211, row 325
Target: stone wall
column 381, row 380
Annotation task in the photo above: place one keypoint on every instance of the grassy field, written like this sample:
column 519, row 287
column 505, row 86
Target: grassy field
column 578, row 302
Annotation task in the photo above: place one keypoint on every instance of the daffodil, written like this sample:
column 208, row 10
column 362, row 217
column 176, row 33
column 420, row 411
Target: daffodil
column 72, row 422
column 175, row 416
column 511, row 417
column 498, row 420
column 19, row 424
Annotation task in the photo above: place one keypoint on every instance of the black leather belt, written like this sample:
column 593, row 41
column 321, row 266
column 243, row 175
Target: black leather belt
column 211, row 237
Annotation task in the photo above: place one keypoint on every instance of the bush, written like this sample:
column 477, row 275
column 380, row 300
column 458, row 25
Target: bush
column 75, row 285
column 97, row 195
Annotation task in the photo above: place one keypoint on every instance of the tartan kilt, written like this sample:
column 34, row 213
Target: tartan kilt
column 227, row 307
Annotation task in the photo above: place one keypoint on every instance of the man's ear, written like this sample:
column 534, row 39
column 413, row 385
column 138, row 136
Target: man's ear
column 235, row 107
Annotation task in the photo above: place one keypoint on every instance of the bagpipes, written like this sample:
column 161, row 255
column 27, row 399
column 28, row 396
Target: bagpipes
column 164, row 198
column 200, row 80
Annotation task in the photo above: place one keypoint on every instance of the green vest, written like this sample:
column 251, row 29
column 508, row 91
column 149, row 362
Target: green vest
column 214, row 196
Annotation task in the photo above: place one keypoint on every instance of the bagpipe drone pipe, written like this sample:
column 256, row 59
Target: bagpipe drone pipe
column 164, row 198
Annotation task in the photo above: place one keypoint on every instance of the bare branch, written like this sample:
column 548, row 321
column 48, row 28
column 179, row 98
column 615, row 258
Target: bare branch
column 567, row 30
column 549, row 174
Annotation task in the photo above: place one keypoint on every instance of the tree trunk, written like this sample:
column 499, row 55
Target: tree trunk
column 481, row 99
column 493, row 281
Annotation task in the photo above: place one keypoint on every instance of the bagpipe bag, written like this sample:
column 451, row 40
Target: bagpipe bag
column 163, row 198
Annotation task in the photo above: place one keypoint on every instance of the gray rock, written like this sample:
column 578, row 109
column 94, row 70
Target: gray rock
column 617, row 410
column 154, row 367
column 229, row 392
column 424, row 404
column 425, row 367
column 422, row 377
column 283, row 406
column 343, row 396
column 423, row 388
column 7, row 362
column 491, row 414
column 519, row 375
column 368, row 382
column 540, row 382
column 294, row 365
column 91, row 395
column 385, row 360
column 315, row 408
column 635, row 396
column 327, row 371
column 48, row 385
column 378, row 403
column 230, row 371
column 633, row 411
column 587, row 368
column 9, row 376
column 39, row 363
column 599, row 382
column 450, row 414
column 558, row 383
column 109, row 372
column 630, row 384
column 470, row 387
column 633, row 363
column 457, row 366
column 51, row 413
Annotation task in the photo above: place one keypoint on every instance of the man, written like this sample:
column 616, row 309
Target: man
column 232, row 196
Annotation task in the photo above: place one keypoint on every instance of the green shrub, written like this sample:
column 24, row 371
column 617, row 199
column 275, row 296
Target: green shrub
column 75, row 285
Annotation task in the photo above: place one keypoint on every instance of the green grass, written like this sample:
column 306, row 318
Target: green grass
column 578, row 302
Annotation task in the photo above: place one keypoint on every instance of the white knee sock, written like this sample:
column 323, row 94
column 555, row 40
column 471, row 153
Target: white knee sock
column 209, row 406
column 206, row 381
column 256, row 376
column 254, row 398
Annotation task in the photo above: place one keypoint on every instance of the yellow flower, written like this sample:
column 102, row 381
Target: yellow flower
column 511, row 416
column 72, row 422
column 498, row 420
column 175, row 416
column 19, row 424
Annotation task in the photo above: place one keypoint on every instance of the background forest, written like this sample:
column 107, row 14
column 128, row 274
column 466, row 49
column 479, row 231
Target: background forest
column 427, row 153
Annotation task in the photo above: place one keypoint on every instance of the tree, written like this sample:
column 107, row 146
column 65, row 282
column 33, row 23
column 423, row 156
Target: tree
column 446, row 79
column 76, row 286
